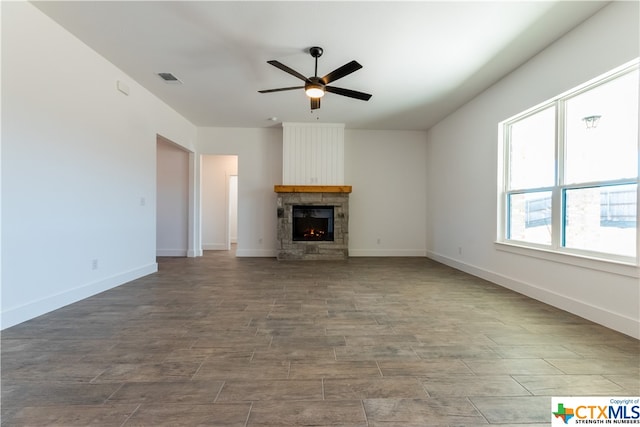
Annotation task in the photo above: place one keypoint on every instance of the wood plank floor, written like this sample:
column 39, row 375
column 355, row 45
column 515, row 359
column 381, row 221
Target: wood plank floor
column 227, row 341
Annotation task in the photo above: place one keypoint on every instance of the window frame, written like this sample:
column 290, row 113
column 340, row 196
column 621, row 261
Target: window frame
column 556, row 251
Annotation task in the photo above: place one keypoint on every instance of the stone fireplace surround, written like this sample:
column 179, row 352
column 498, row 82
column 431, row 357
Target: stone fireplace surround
column 313, row 195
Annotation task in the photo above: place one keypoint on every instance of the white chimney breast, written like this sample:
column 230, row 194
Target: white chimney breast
column 313, row 154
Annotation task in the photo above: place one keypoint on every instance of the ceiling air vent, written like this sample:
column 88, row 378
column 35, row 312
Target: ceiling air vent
column 169, row 78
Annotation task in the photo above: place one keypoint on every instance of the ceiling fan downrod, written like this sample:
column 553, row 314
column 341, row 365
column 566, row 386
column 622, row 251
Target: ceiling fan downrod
column 316, row 52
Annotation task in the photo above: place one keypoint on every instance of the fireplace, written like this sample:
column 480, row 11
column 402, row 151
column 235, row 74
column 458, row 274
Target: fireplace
column 312, row 223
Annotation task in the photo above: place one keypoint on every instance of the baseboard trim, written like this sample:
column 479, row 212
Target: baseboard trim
column 387, row 253
column 16, row 315
column 192, row 253
column 261, row 253
column 171, row 252
column 615, row 321
column 214, row 247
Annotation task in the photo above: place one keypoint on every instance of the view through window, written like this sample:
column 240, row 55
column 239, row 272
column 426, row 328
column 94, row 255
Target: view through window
column 571, row 170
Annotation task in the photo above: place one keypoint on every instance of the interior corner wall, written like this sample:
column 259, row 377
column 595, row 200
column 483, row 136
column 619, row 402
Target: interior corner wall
column 172, row 199
column 78, row 168
column 216, row 172
column 462, row 168
column 388, row 205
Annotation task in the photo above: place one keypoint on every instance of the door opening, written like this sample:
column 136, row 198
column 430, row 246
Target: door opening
column 172, row 199
column 233, row 210
column 219, row 201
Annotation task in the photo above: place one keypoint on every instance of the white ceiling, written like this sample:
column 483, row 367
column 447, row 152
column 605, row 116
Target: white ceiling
column 421, row 59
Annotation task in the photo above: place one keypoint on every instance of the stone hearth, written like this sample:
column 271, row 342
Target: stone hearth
column 313, row 195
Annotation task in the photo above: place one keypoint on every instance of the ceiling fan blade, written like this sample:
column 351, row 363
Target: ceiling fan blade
column 348, row 92
column 280, row 89
column 286, row 69
column 315, row 103
column 339, row 73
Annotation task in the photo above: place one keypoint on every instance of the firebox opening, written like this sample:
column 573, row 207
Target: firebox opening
column 312, row 223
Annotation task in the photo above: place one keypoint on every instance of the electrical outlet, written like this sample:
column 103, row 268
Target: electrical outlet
column 260, row 241
column 379, row 240
column 459, row 250
column 94, row 264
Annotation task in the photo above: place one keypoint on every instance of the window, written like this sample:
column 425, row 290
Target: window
column 570, row 179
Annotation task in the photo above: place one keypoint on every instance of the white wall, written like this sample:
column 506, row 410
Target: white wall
column 78, row 168
column 172, row 204
column 462, row 165
column 387, row 206
column 216, row 172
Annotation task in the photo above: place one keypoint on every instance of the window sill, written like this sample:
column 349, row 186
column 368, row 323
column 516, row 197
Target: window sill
column 622, row 268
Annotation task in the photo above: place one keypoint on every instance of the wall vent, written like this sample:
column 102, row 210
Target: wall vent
column 169, row 78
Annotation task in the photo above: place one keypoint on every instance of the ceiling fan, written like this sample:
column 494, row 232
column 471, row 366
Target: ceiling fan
column 315, row 87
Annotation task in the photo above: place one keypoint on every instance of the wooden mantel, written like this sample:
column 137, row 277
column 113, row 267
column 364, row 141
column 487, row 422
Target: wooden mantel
column 312, row 188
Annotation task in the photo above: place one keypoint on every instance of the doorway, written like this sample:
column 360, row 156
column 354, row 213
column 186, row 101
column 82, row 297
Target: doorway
column 172, row 199
column 233, row 209
column 219, row 196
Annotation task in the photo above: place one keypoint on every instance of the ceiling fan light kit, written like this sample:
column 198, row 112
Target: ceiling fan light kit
column 315, row 87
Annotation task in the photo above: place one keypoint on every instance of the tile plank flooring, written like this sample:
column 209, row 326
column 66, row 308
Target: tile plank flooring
column 227, row 341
